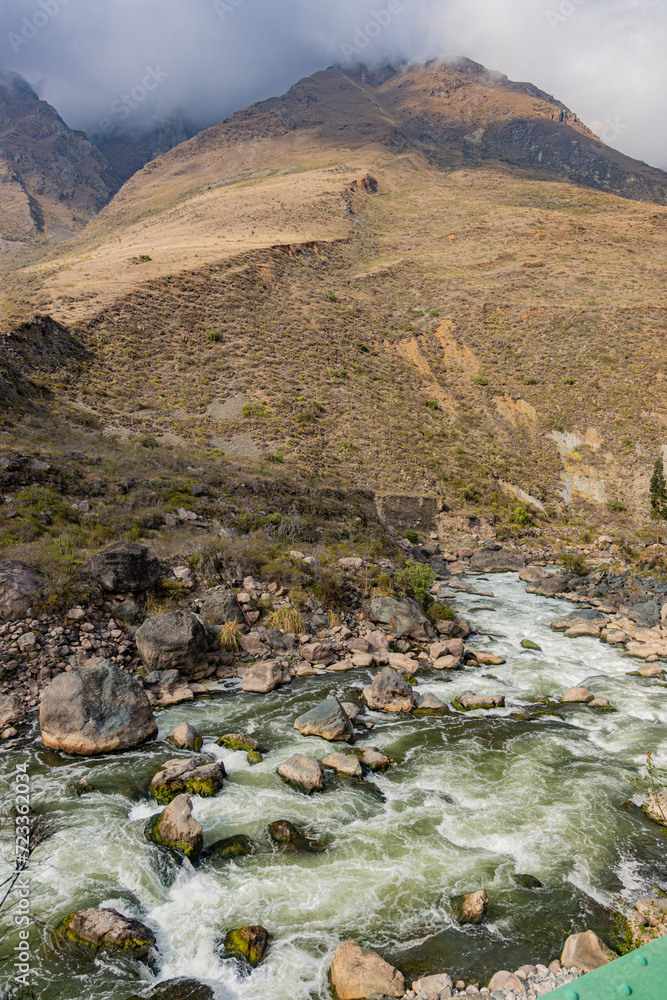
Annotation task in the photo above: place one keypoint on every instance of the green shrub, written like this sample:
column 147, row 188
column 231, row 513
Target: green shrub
column 574, row 563
column 470, row 493
column 480, row 380
column 441, row 613
column 416, row 579
column 615, row 505
column 149, row 441
column 433, row 314
column 412, row 536
column 251, row 410
column 213, row 336
column 144, row 257
column 276, row 458
column 432, row 404
column 520, row 516
column 363, row 347
column 331, row 297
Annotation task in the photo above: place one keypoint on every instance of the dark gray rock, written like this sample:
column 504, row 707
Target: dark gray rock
column 95, row 710
column 648, row 612
column 20, row 585
column 124, row 566
column 495, row 560
column 175, row 641
column 179, row 989
column 328, row 720
column 220, row 606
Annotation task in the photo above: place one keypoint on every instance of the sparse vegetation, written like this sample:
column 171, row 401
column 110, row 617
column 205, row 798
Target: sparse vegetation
column 230, row 637
column 288, row 619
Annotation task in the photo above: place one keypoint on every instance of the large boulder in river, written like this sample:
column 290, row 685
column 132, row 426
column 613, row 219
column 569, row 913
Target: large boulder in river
column 468, row 701
column 263, row 677
column 248, row 943
column 175, row 641
column 328, row 720
column 124, row 566
column 585, row 951
column 493, row 558
column 194, row 776
column 303, row 772
column 220, row 606
column 357, row 973
column 95, row 710
column 20, row 585
column 107, row 930
column 389, row 692
column 176, row 828
column 471, row 908
column 402, row 616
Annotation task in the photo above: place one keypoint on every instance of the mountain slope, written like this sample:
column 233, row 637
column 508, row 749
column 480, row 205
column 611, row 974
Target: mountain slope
column 52, row 180
column 486, row 335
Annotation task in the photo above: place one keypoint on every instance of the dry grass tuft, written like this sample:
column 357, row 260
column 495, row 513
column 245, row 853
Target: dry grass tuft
column 287, row 619
column 230, row 637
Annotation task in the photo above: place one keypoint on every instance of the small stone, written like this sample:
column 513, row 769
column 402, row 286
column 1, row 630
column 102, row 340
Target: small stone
column 472, row 907
column 344, row 764
column 184, row 735
column 577, row 695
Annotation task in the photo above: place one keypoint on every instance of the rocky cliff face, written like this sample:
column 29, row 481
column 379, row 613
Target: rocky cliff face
column 52, row 179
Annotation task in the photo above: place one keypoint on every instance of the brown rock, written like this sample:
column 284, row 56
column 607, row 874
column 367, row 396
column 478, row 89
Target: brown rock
column 106, row 929
column 344, row 763
column 357, row 973
column 473, row 907
column 586, row 952
column 263, row 677
column 577, row 696
column 186, row 736
column 303, row 772
column 504, row 980
column 389, row 692
column 176, row 828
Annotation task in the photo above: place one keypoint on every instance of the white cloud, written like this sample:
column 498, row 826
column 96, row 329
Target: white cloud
column 603, row 58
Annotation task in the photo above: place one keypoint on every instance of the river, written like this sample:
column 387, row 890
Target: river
column 472, row 801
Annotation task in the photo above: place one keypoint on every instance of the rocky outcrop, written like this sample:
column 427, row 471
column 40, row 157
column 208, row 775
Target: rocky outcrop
column 389, row 692
column 549, row 586
column 220, row 606
column 655, row 807
column 194, row 776
column 647, row 921
column 585, row 951
column 20, row 586
column 95, row 710
column 176, row 828
column 11, row 710
column 175, row 641
column 328, row 720
column 248, row 943
column 493, row 558
column 404, row 617
column 107, row 930
column 303, row 772
column 357, row 973
column 124, row 566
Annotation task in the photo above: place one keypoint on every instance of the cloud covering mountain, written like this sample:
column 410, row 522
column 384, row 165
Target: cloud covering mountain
column 112, row 65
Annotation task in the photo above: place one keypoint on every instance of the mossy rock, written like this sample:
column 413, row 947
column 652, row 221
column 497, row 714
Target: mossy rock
column 254, row 757
column 529, row 644
column 409, row 679
column 106, row 930
column 248, row 943
column 198, row 786
column 239, row 741
column 152, row 833
column 231, row 847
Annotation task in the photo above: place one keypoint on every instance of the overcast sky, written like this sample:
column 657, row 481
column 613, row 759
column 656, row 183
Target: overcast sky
column 109, row 64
